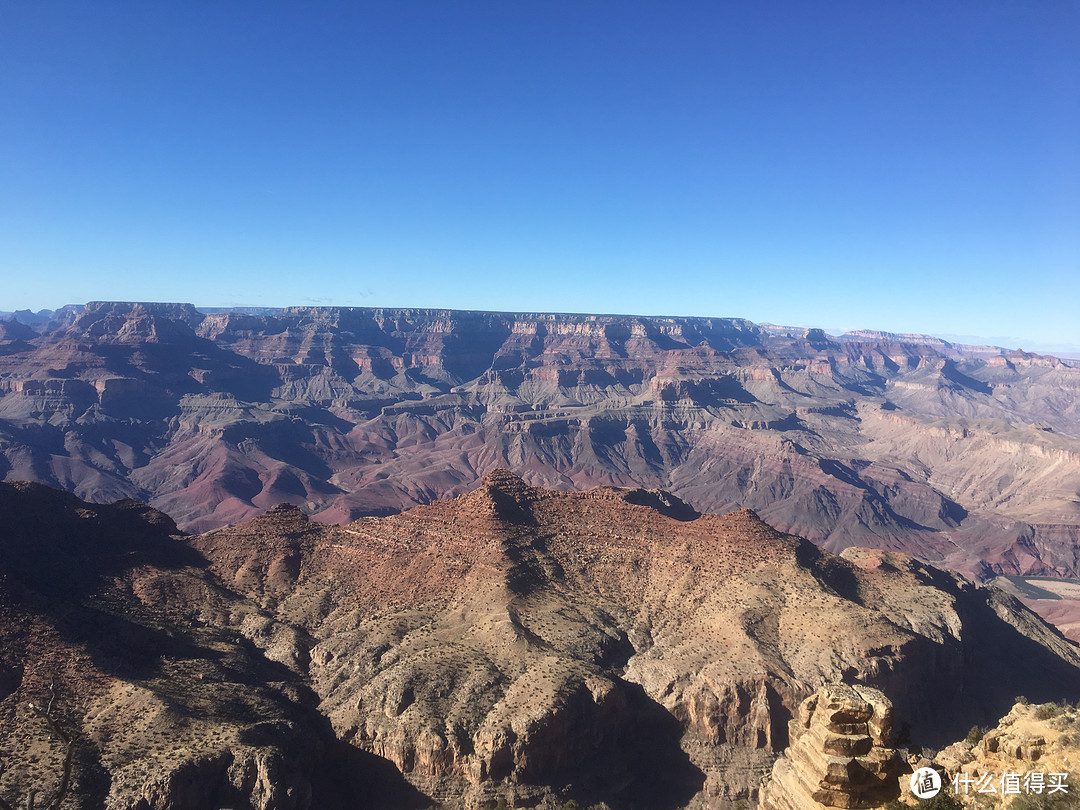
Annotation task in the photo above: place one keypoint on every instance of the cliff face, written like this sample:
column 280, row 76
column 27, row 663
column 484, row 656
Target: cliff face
column 968, row 456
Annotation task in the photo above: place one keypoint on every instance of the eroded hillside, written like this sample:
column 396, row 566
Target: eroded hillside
column 611, row 646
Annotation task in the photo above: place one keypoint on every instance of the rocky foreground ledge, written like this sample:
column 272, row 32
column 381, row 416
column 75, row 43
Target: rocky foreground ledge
column 840, row 757
column 518, row 645
column 840, row 753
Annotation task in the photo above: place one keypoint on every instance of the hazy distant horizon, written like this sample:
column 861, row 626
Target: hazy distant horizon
column 1066, row 350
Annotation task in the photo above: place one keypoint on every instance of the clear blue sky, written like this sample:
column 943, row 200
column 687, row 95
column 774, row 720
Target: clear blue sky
column 911, row 166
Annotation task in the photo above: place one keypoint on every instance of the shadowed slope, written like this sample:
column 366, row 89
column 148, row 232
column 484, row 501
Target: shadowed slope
column 145, row 664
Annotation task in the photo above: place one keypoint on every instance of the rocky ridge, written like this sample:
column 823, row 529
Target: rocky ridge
column 613, row 647
column 1031, row 739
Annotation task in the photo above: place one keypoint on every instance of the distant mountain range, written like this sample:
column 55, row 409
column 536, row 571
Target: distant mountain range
column 1063, row 351
column 968, row 456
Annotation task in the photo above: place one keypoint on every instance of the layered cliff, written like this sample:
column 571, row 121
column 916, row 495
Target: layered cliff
column 966, row 456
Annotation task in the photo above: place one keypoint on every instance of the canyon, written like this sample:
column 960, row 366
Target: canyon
column 965, row 456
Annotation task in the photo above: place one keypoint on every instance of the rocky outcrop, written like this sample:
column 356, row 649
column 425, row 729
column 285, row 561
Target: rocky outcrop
column 518, row 636
column 1040, row 739
column 259, row 780
column 840, row 754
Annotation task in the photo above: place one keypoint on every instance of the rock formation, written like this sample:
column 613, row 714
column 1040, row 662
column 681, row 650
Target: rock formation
column 839, row 754
column 1032, row 739
column 118, row 647
column 611, row 646
column 966, row 456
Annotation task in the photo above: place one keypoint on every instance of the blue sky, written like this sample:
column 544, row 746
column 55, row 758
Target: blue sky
column 910, row 166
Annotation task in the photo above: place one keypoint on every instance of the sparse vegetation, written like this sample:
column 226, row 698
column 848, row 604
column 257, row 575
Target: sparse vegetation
column 943, row 801
column 1044, row 711
column 466, row 668
column 1050, row 801
column 64, row 784
column 974, row 737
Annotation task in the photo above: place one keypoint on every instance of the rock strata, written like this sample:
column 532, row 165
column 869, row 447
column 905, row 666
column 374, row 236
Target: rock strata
column 965, row 456
column 517, row 636
column 839, row 754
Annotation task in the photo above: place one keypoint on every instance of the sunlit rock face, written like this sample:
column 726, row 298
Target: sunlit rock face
column 610, row 646
column 840, row 753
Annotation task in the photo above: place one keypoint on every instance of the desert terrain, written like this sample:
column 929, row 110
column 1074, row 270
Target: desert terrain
column 612, row 648
column 968, row 457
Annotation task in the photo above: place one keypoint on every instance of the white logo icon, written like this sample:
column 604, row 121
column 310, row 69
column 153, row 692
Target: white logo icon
column 925, row 783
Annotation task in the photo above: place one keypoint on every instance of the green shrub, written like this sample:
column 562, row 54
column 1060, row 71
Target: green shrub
column 975, row 735
column 1047, row 801
column 1044, row 711
column 943, row 801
